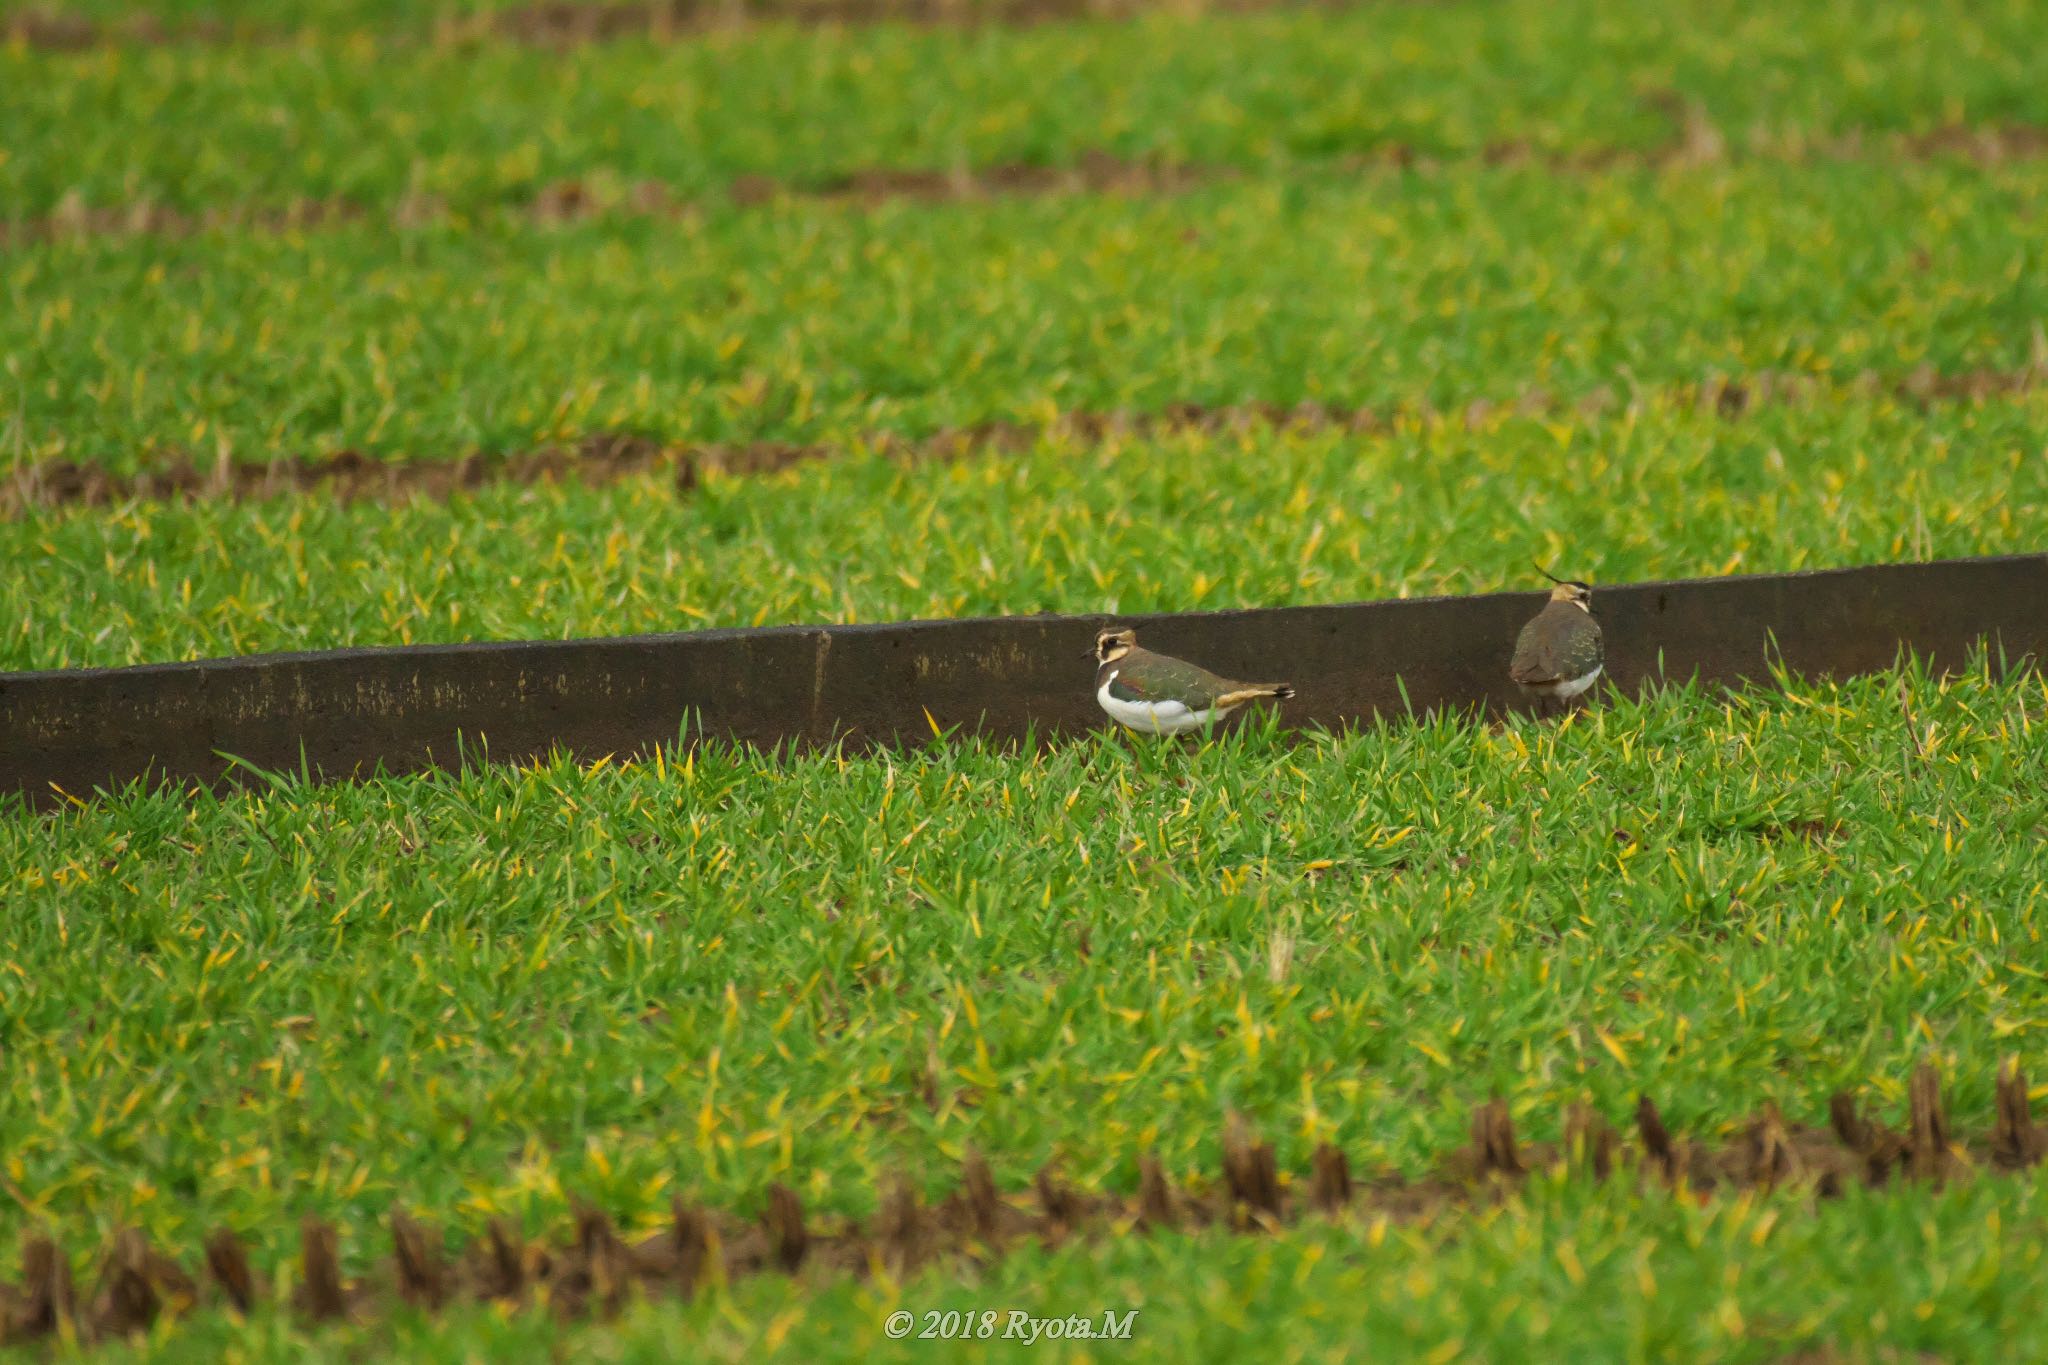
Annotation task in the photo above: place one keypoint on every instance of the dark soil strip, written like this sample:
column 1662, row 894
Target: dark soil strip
column 564, row 23
column 604, row 458
column 45, row 31
column 593, row 1271
column 73, row 220
column 570, row 201
column 572, row 23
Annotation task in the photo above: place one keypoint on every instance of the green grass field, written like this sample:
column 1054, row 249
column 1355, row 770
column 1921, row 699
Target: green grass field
column 494, row 995
column 1277, row 518
column 343, row 113
column 810, row 323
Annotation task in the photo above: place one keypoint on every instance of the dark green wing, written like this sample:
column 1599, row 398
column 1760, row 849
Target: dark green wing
column 1123, row 689
column 1154, row 677
column 1560, row 644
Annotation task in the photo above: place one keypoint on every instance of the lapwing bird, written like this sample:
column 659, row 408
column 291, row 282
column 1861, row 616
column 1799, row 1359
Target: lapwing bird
column 1560, row 654
column 1155, row 695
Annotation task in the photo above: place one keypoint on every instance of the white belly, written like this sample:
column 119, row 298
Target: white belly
column 1572, row 688
column 1151, row 717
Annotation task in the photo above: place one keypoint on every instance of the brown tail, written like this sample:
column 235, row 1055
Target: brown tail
column 1251, row 691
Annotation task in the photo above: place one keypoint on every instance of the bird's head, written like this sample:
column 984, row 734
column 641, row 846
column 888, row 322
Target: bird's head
column 1569, row 590
column 1111, row 645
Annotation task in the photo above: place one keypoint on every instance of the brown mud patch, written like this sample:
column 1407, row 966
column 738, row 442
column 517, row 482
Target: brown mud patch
column 592, row 1269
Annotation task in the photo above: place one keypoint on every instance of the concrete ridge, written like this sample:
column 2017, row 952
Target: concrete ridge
column 350, row 713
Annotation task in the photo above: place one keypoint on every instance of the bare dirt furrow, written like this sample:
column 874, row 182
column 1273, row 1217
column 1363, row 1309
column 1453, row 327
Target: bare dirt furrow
column 612, row 456
column 593, row 1269
column 583, row 199
column 573, row 23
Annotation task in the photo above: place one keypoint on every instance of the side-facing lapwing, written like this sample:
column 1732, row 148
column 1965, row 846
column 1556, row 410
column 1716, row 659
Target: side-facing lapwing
column 1156, row 695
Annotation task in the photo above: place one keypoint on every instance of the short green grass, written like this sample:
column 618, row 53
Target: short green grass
column 1274, row 517
column 484, row 995
column 808, row 322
